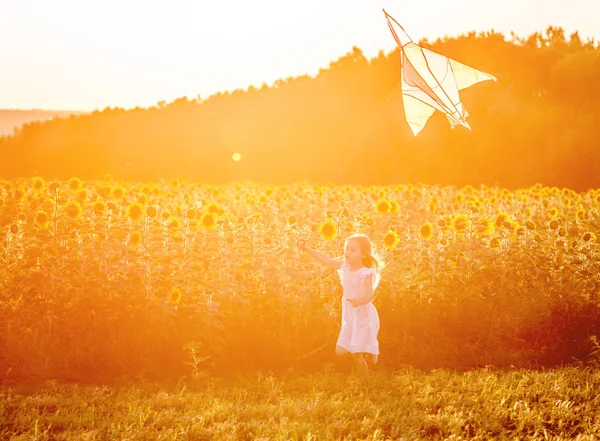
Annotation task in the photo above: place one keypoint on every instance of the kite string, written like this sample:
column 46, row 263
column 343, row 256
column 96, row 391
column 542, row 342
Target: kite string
column 368, row 131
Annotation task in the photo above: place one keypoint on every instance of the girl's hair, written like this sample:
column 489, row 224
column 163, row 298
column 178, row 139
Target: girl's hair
column 364, row 244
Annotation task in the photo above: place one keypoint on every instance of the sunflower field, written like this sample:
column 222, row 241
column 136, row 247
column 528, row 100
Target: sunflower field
column 108, row 279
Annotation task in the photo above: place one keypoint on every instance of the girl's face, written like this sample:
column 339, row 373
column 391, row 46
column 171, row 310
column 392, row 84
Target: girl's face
column 353, row 253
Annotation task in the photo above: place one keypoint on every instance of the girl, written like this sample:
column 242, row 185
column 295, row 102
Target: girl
column 359, row 275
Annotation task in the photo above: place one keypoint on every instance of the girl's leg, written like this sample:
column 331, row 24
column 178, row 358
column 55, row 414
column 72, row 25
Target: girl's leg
column 360, row 362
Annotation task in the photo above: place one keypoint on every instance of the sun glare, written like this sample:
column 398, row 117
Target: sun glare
column 236, row 157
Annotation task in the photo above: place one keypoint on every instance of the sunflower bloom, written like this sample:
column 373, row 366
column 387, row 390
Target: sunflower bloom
column 391, row 239
column 208, row 221
column 426, row 231
column 383, row 206
column 395, row 206
column 495, row 243
column 174, row 297
column 484, row 226
column 530, row 225
column 73, row 209
column 134, row 211
column 553, row 212
column 501, row 219
column 39, row 184
column 135, row 239
column 75, row 184
column 42, row 219
column 460, row 223
column 588, row 237
column 328, row 230
column 151, row 212
column 99, row 207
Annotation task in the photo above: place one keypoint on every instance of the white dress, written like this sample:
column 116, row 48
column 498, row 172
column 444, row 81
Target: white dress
column 360, row 324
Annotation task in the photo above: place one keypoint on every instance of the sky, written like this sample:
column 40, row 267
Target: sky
column 86, row 55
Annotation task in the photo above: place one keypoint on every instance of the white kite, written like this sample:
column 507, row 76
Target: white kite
column 431, row 81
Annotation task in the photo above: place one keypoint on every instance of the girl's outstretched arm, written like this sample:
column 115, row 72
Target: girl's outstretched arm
column 336, row 264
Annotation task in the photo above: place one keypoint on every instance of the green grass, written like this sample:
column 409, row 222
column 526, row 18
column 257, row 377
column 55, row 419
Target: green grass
column 407, row 404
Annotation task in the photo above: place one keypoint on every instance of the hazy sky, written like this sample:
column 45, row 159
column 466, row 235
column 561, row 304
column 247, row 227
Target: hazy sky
column 85, row 55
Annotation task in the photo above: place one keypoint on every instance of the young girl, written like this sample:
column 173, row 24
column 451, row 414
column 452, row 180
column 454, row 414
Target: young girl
column 359, row 276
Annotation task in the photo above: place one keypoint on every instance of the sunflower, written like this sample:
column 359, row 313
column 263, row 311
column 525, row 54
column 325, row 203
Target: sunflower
column 73, row 209
column 174, row 297
column 99, row 207
column 328, row 230
column 588, row 237
column 82, row 196
column 135, row 239
column 501, row 219
column 134, row 211
column 553, row 224
column 495, row 243
column 14, row 228
column 39, row 184
column 208, row 221
column 151, row 211
column 530, row 225
column 42, row 219
column 426, row 231
column 460, row 223
column 390, row 240
column 395, row 206
column 75, row 184
column 383, row 206
column 118, row 193
column 484, row 226
column 553, row 212
column 213, row 208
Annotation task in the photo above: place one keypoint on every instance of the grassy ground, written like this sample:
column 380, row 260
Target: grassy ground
column 408, row 404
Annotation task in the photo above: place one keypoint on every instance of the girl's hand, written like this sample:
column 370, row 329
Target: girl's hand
column 354, row 302
column 301, row 244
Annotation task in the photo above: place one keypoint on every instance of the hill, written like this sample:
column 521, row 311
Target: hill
column 11, row 119
column 537, row 124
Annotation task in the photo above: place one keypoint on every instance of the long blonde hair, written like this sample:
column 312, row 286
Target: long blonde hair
column 371, row 260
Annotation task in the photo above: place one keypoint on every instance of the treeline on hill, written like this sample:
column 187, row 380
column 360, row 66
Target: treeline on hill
column 538, row 123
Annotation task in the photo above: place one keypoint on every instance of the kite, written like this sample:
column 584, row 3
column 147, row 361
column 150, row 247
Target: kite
column 431, row 81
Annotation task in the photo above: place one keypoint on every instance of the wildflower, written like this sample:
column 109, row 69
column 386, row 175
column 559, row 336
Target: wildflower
column 328, row 230
column 75, row 184
column 73, row 209
column 208, row 221
column 135, row 239
column 134, row 211
column 390, row 240
column 426, row 231
column 42, row 219
column 383, row 206
column 174, row 297
column 460, row 223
